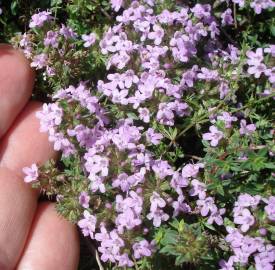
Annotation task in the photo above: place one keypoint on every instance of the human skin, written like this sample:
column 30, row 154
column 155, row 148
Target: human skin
column 32, row 234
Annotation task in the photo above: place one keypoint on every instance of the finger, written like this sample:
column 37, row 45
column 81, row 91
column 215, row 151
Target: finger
column 17, row 207
column 22, row 145
column 16, row 83
column 52, row 244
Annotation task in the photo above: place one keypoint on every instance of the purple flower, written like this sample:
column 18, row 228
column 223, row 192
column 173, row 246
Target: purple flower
column 180, row 206
column 214, row 30
column 207, row 74
column 234, row 54
column 254, row 61
column 165, row 115
column 130, row 78
column 156, row 202
column 214, row 136
column 202, row 11
column 259, row 5
column 84, row 199
column 246, row 200
column 227, row 265
column 157, row 35
column 189, row 77
column 180, row 108
column 123, row 260
column 97, row 184
column 245, row 219
column 239, row 2
column 110, row 245
column 128, row 219
column 103, row 235
column 158, row 216
column 207, row 205
column 67, row 32
column 255, row 58
column 162, row 169
column 119, row 60
column 198, row 189
column 126, row 136
column 227, row 118
column 234, row 237
column 40, row 18
column 216, row 216
column 153, row 137
column 182, row 48
column 178, row 182
column 40, row 61
column 270, row 208
column 31, row 173
column 270, row 50
column 191, row 170
column 223, row 89
column 265, row 259
column 51, row 39
column 133, row 202
column 61, row 143
column 96, row 164
column 166, row 17
column 257, row 70
column 246, row 129
column 144, row 114
column 50, row 117
column 263, row 231
column 227, row 17
column 271, row 75
column 87, row 224
column 124, row 182
column 142, row 249
column 25, row 40
column 89, row 39
column 116, row 4
column 50, row 71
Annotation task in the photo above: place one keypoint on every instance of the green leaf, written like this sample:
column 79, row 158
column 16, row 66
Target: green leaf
column 13, row 7
column 180, row 260
column 209, row 226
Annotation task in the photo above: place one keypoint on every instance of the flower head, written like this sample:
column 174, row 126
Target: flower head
column 31, row 173
column 89, row 39
column 214, row 136
column 40, row 18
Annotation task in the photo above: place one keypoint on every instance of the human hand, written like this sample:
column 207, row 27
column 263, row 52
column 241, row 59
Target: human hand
column 32, row 234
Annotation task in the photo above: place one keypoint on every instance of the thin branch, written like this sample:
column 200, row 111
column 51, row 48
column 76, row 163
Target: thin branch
column 194, row 157
column 98, row 260
column 105, row 13
column 235, row 16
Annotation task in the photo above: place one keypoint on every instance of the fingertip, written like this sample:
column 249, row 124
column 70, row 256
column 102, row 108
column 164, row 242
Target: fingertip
column 53, row 242
column 16, row 83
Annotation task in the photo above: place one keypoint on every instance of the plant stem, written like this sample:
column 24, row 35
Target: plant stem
column 98, row 260
column 235, row 16
column 253, row 103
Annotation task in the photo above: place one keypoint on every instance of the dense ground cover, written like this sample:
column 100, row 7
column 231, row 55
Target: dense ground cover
column 163, row 112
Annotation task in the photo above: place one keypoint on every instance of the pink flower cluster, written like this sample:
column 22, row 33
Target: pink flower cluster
column 148, row 53
column 128, row 143
column 256, row 67
column 245, row 246
column 143, row 50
